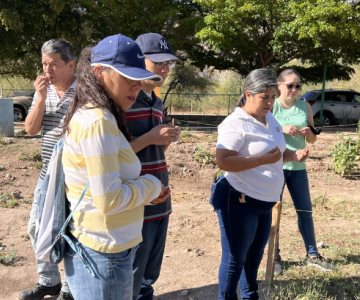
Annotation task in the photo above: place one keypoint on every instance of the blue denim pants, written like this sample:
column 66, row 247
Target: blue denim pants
column 48, row 272
column 244, row 229
column 148, row 258
column 298, row 186
column 113, row 278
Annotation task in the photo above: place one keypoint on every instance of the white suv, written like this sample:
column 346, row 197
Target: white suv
column 340, row 106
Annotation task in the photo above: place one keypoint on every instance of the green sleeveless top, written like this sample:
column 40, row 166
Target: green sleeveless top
column 296, row 115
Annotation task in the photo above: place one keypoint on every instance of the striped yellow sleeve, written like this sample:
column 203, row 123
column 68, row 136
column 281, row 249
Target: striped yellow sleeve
column 100, row 145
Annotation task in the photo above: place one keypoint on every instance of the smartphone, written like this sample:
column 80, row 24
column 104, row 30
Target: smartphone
column 314, row 130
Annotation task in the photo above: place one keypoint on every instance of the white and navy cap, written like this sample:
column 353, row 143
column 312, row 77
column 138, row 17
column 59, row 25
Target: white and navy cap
column 123, row 55
column 155, row 47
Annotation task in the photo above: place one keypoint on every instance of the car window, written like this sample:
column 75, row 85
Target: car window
column 356, row 98
column 311, row 96
column 341, row 98
column 331, row 96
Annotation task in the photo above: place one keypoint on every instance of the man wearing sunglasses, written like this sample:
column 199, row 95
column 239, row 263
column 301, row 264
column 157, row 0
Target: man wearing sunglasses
column 150, row 139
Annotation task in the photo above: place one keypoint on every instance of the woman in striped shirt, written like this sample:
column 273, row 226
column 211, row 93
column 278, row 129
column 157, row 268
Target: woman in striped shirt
column 107, row 223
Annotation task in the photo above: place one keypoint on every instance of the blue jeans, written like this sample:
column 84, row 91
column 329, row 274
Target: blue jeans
column 245, row 229
column 113, row 278
column 148, row 258
column 298, row 186
column 48, row 272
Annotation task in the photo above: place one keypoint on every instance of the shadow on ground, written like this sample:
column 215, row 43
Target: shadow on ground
column 208, row 292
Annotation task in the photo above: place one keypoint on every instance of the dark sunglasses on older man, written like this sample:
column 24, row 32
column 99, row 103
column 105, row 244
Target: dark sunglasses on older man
column 291, row 85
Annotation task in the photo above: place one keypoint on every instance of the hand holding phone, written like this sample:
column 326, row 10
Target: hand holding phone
column 314, row 130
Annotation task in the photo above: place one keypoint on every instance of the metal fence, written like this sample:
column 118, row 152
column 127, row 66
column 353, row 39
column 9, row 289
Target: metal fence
column 6, row 93
column 177, row 103
column 206, row 104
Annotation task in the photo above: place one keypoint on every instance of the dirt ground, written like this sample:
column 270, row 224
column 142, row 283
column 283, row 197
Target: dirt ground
column 193, row 247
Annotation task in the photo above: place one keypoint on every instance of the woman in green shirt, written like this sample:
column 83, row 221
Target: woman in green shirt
column 295, row 117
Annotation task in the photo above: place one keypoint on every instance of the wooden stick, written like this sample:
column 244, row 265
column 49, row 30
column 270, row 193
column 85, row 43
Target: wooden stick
column 273, row 243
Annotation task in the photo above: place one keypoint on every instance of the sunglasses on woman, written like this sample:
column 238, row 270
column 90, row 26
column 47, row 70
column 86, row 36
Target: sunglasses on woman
column 291, row 85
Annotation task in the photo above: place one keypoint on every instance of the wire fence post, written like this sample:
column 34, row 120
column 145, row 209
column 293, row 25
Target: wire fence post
column 170, row 106
column 229, row 99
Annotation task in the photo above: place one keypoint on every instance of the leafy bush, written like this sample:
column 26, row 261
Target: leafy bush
column 185, row 136
column 345, row 154
column 7, row 257
column 203, row 156
column 35, row 156
column 7, row 201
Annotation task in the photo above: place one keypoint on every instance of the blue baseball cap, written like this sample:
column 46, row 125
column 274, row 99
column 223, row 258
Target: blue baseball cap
column 123, row 55
column 155, row 47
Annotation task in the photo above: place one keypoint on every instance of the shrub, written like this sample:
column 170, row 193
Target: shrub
column 345, row 154
column 7, row 257
column 203, row 156
column 35, row 156
column 7, row 201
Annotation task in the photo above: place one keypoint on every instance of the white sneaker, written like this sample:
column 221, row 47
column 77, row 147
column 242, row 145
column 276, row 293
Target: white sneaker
column 319, row 262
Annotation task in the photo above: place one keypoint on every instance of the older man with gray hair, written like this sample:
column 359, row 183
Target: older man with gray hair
column 55, row 90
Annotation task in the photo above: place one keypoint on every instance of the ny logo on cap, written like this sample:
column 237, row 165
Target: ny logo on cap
column 164, row 45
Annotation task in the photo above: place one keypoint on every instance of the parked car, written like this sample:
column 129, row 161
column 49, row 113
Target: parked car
column 340, row 106
column 21, row 106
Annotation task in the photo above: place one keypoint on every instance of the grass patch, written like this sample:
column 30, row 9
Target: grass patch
column 316, row 286
column 213, row 136
column 302, row 289
column 8, row 201
column 203, row 156
column 320, row 201
column 334, row 207
column 7, row 257
column 186, row 136
column 336, row 224
column 38, row 165
column 34, row 156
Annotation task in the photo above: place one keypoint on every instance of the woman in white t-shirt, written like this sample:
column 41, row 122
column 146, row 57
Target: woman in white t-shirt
column 251, row 149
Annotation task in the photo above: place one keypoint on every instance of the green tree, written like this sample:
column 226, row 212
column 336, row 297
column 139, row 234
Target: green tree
column 239, row 35
column 25, row 25
column 188, row 78
column 245, row 34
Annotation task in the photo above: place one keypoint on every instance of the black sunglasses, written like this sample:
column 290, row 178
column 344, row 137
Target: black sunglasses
column 291, row 85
